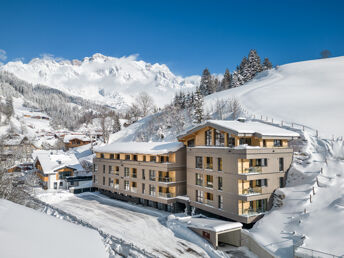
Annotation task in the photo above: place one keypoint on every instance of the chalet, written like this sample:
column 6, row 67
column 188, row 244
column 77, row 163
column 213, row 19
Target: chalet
column 75, row 140
column 56, row 169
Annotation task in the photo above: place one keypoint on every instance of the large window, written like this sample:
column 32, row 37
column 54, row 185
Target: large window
column 191, row 143
column 152, row 190
column 231, row 141
column 199, row 162
column 134, row 173
column 219, row 164
column 209, row 164
column 126, row 185
column 126, row 172
column 127, row 157
column 277, row 143
column 111, row 156
column 152, row 175
column 219, row 182
column 245, row 141
column 199, row 196
column 258, row 162
column 199, row 179
column 210, row 181
column 219, row 138
column 208, row 138
column 261, row 182
column 261, row 205
column 281, row 164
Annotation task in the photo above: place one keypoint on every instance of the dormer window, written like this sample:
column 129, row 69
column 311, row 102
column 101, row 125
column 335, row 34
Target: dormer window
column 219, row 138
column 277, row 143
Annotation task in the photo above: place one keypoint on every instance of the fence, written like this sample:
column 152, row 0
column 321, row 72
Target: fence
column 303, row 252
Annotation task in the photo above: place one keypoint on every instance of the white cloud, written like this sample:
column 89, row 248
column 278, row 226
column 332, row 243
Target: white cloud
column 3, row 55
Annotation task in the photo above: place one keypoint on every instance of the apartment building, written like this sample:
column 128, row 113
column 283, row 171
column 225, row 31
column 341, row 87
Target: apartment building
column 153, row 174
column 233, row 167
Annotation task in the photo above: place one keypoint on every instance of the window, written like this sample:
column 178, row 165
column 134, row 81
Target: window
column 261, row 182
column 199, row 196
column 143, row 188
column 152, row 190
column 126, row 172
column 199, row 162
column 281, row 182
column 103, row 180
column 152, row 158
column 191, row 143
column 231, row 141
column 209, row 163
column 220, row 201
column 101, row 155
column 126, row 185
column 127, row 157
column 110, row 182
column 143, row 174
column 259, row 163
column 281, row 164
column 210, row 181
column 55, row 185
column 219, row 138
column 199, row 179
column 210, row 196
column 111, row 156
column 261, row 205
column 277, row 143
column 152, row 175
column 245, row 141
column 219, row 183
column 116, row 156
column 94, row 178
column 134, row 172
column 117, row 170
column 208, row 140
column 110, row 169
column 264, row 143
column 219, row 164
column 135, row 157
column 144, row 157
column 95, row 168
column 103, row 168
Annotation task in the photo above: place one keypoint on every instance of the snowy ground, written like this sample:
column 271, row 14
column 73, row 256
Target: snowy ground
column 25, row 232
column 147, row 228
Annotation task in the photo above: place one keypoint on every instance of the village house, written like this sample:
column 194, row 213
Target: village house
column 60, row 170
column 233, row 167
column 75, row 140
column 148, row 173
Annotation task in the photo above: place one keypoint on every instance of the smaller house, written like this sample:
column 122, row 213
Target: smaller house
column 56, row 169
column 75, row 140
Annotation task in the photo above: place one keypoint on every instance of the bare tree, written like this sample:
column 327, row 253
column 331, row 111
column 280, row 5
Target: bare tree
column 235, row 108
column 325, row 53
column 145, row 103
column 220, row 106
column 106, row 126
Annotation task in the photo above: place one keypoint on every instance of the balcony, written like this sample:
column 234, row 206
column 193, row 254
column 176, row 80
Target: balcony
column 252, row 212
column 209, row 184
column 134, row 189
column 166, row 179
column 209, row 202
column 116, row 186
column 166, row 195
column 252, row 191
column 253, row 170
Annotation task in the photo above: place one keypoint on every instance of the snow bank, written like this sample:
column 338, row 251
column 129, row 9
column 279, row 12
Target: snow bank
column 28, row 233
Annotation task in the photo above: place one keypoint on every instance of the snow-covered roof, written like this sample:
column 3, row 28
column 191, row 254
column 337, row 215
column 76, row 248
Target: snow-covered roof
column 153, row 148
column 80, row 137
column 215, row 225
column 54, row 160
column 245, row 128
column 26, row 232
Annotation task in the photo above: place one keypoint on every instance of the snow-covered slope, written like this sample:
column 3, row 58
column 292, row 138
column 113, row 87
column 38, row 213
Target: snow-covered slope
column 309, row 93
column 107, row 80
column 25, row 232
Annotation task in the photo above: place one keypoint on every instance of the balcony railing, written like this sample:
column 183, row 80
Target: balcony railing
column 252, row 212
column 166, row 179
column 209, row 202
column 166, row 195
column 116, row 186
column 209, row 184
column 253, row 170
column 252, row 191
column 134, row 189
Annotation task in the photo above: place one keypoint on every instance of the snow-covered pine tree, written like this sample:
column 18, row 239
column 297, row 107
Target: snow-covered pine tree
column 267, row 65
column 254, row 63
column 198, row 107
column 226, row 81
column 237, row 80
column 206, row 84
column 116, row 125
column 244, row 71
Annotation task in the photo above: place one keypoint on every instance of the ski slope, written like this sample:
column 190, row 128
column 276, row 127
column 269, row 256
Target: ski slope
column 310, row 93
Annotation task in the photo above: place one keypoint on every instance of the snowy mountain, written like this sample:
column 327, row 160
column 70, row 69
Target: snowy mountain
column 107, row 80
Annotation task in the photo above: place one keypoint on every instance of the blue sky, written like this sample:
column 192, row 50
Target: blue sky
column 186, row 35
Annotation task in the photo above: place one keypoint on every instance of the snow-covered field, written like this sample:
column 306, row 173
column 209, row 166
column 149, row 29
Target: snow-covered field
column 145, row 227
column 25, row 232
column 310, row 93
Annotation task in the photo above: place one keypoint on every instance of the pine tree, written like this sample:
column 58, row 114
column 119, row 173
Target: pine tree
column 116, row 125
column 267, row 65
column 237, row 80
column 226, row 81
column 254, row 63
column 198, row 107
column 206, row 84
